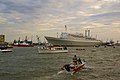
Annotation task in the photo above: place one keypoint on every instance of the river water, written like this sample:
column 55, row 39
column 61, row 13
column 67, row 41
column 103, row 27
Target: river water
column 26, row 64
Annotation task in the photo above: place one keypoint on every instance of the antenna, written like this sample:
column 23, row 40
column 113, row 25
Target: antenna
column 31, row 38
column 65, row 28
column 57, row 34
column 96, row 36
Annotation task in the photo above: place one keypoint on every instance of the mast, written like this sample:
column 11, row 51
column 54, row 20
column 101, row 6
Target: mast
column 26, row 39
column 19, row 40
column 57, row 34
column 96, row 36
column 65, row 28
column 31, row 38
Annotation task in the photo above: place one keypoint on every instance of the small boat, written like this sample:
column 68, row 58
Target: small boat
column 5, row 50
column 5, row 47
column 52, row 49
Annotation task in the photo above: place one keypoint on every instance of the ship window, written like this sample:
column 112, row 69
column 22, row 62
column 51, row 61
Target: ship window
column 58, row 48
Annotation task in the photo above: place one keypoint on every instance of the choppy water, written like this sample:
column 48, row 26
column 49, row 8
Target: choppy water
column 27, row 64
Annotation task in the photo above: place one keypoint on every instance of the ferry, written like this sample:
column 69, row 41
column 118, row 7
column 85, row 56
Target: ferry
column 52, row 49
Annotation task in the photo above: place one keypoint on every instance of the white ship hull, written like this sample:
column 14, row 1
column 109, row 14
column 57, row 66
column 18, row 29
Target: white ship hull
column 52, row 51
column 6, row 50
column 73, row 43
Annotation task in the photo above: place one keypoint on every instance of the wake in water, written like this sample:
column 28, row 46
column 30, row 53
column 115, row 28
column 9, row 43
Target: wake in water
column 60, row 72
column 64, row 72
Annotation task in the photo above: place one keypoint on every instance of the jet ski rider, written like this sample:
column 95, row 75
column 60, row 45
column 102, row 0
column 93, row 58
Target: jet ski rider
column 75, row 60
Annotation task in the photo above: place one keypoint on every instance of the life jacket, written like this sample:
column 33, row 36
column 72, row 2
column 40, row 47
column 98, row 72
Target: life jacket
column 74, row 59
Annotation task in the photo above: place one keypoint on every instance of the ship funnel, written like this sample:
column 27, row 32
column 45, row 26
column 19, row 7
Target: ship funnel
column 85, row 33
column 88, row 33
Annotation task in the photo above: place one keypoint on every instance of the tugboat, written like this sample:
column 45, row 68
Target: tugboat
column 24, row 43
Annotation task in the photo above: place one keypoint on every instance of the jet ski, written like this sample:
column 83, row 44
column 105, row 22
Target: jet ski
column 73, row 68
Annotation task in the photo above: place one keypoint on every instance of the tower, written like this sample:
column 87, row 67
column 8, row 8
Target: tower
column 2, row 38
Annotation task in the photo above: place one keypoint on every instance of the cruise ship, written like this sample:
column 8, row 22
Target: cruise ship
column 74, row 40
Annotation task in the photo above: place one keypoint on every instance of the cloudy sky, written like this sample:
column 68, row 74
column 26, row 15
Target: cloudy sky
column 20, row 18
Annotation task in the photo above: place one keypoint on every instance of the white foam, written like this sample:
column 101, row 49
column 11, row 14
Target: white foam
column 60, row 72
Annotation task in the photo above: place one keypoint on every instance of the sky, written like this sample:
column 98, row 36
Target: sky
column 20, row 18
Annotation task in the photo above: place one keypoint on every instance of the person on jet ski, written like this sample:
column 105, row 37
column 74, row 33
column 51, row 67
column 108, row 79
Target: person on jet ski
column 79, row 61
column 73, row 65
column 75, row 60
